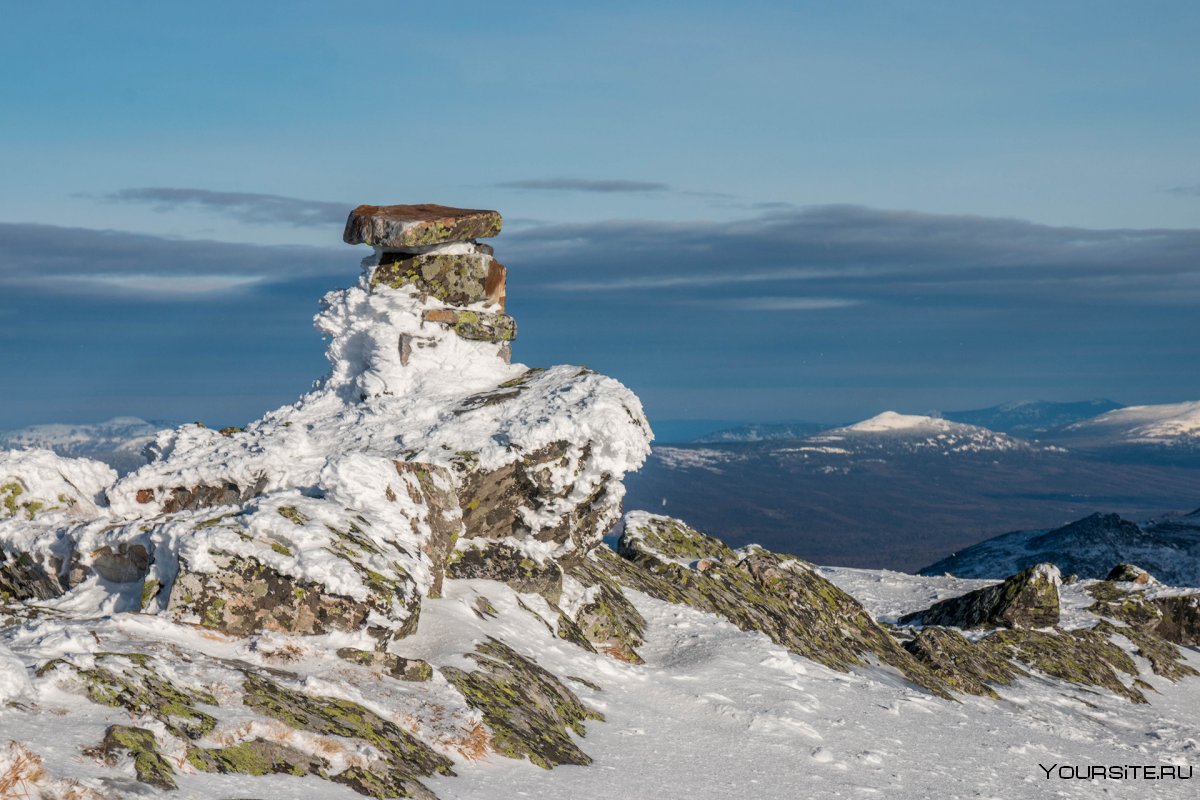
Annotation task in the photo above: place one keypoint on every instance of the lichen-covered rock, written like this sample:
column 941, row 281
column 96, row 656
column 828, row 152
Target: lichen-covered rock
column 138, row 744
column 132, row 681
column 497, row 504
column 440, row 525
column 965, row 666
column 528, row 710
column 605, row 616
column 242, row 596
column 403, row 758
column 758, row 590
column 478, row 326
column 256, row 757
column 405, row 669
column 1130, row 573
column 457, row 279
column 405, row 227
column 503, row 561
column 1028, row 599
column 1085, row 657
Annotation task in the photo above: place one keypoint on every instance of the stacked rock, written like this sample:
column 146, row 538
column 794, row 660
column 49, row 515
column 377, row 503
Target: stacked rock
column 434, row 249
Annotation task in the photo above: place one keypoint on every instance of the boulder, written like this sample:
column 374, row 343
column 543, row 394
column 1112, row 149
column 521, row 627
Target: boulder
column 1028, row 599
column 405, row 227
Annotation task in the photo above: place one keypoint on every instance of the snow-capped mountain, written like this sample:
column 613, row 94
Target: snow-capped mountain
column 1168, row 548
column 1031, row 417
column 1171, row 425
column 891, row 432
column 117, row 442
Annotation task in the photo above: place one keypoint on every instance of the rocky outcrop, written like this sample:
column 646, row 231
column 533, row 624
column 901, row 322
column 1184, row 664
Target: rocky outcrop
column 1028, row 599
column 242, row 596
column 963, row 665
column 402, row 758
column 529, row 711
column 138, row 744
column 1180, row 620
column 756, row 589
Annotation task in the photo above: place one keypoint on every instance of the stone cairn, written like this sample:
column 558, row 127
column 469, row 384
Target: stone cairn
column 434, row 249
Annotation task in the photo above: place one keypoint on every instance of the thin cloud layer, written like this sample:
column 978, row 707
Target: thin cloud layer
column 827, row 313
column 584, row 185
column 849, row 251
column 248, row 207
column 51, row 260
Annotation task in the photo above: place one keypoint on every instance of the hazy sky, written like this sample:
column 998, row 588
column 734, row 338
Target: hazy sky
column 743, row 210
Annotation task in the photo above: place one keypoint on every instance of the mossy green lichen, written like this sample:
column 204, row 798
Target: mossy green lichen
column 292, row 514
column 529, row 711
column 965, row 666
column 139, row 744
column 758, row 590
column 404, row 757
column 131, row 681
column 1084, row 657
column 256, row 757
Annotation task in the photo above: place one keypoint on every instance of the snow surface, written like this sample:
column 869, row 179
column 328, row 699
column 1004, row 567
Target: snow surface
column 714, row 713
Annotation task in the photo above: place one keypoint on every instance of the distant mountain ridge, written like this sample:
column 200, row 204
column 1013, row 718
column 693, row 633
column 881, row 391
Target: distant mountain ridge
column 1168, row 548
column 117, row 442
column 1025, row 418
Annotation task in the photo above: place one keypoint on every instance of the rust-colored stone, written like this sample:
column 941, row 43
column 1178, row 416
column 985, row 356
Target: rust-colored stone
column 494, row 287
column 415, row 226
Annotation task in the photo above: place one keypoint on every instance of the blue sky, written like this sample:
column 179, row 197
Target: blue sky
column 743, row 210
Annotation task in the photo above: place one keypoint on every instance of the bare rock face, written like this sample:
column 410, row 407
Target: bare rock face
column 1028, row 599
column 1180, row 621
column 414, row 226
column 22, row 577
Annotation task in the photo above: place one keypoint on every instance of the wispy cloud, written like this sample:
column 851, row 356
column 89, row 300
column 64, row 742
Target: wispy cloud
column 167, row 285
column 584, row 185
column 248, row 207
column 54, row 260
column 790, row 303
column 1192, row 190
